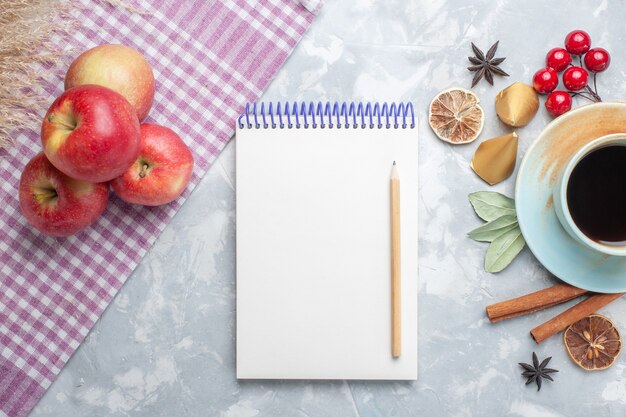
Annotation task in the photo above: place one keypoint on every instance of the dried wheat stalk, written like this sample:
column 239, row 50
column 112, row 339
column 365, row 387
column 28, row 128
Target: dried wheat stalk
column 28, row 55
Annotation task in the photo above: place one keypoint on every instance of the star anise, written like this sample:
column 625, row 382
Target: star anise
column 485, row 65
column 537, row 371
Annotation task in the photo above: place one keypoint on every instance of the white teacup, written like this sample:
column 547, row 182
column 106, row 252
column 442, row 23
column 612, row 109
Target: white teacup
column 560, row 195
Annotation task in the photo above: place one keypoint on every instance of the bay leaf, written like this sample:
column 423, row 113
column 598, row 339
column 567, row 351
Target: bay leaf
column 489, row 205
column 488, row 232
column 503, row 250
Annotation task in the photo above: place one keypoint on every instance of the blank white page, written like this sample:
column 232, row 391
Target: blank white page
column 313, row 253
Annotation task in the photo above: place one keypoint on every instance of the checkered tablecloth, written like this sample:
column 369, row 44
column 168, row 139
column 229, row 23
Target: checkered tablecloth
column 209, row 59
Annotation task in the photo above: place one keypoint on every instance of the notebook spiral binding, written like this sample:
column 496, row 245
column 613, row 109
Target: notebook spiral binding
column 322, row 115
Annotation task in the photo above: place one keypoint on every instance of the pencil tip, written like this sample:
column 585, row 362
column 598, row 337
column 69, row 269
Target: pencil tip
column 394, row 162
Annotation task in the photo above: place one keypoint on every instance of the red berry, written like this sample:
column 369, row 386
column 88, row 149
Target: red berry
column 577, row 42
column 558, row 58
column 558, row 102
column 597, row 59
column 575, row 78
column 545, row 80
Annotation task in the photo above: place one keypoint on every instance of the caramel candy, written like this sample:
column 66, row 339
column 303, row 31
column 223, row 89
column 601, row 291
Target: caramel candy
column 495, row 159
column 517, row 104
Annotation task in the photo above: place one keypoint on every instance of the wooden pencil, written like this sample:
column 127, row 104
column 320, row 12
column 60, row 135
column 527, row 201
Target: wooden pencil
column 396, row 339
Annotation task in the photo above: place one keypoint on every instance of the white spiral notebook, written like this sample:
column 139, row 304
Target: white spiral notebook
column 314, row 238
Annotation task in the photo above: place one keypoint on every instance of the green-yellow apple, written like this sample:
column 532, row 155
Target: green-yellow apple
column 56, row 204
column 91, row 133
column 118, row 67
column 160, row 173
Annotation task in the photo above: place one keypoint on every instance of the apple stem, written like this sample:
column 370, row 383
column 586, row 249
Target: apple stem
column 48, row 195
column 144, row 170
column 59, row 121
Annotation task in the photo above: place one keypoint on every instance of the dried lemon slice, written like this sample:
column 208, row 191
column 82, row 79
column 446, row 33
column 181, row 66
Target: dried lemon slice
column 455, row 116
column 593, row 342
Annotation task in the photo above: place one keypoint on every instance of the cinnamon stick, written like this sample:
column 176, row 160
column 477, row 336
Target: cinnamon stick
column 572, row 315
column 532, row 302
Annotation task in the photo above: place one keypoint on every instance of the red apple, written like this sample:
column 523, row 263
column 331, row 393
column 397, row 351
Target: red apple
column 91, row 133
column 56, row 204
column 119, row 68
column 161, row 171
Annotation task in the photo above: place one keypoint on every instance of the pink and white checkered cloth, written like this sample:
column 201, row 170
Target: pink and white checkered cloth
column 209, row 59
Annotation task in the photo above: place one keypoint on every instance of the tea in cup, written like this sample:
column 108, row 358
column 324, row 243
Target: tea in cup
column 590, row 196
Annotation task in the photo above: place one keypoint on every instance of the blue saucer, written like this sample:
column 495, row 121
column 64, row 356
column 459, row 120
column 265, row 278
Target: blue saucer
column 564, row 257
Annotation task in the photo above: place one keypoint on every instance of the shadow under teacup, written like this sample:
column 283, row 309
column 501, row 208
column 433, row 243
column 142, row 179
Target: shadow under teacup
column 590, row 196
